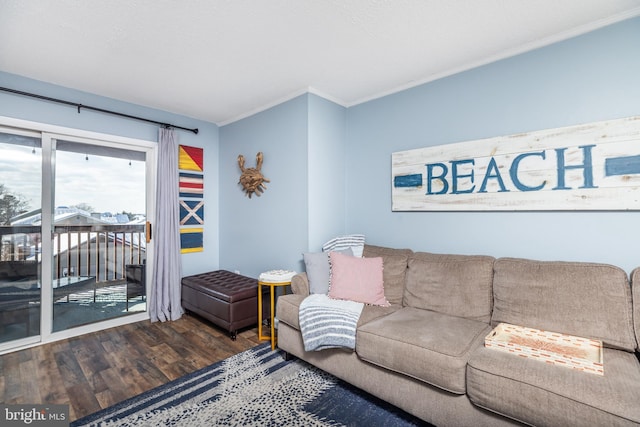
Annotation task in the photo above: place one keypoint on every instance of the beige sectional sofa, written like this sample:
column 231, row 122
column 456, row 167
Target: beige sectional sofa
column 425, row 353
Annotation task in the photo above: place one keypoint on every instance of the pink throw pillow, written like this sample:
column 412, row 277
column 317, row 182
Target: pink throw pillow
column 357, row 279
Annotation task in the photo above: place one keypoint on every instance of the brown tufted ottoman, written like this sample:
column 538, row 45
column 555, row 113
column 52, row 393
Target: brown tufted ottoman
column 227, row 299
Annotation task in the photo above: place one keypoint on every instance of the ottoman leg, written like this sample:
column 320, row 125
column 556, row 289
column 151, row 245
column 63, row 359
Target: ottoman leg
column 233, row 335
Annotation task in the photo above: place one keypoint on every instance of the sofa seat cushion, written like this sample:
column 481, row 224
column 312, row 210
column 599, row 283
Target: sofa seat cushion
column 373, row 312
column 540, row 394
column 429, row 346
column 289, row 306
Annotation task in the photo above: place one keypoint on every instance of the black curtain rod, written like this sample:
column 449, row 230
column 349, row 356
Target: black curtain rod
column 100, row 110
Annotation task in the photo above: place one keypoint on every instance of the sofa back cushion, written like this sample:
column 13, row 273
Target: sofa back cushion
column 394, row 264
column 583, row 299
column 635, row 290
column 459, row 285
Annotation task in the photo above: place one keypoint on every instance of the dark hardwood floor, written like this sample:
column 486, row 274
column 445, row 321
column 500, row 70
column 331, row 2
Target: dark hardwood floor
column 97, row 370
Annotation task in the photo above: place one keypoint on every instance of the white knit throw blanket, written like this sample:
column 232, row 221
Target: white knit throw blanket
column 328, row 323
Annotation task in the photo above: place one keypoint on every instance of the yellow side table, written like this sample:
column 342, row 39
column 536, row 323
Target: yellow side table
column 273, row 279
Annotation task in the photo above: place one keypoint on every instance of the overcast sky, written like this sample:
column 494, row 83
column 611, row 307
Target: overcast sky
column 106, row 184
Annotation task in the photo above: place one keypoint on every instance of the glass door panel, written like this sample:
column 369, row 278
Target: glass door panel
column 20, row 235
column 99, row 242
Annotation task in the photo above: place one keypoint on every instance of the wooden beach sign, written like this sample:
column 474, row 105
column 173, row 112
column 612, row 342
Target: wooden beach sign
column 587, row 167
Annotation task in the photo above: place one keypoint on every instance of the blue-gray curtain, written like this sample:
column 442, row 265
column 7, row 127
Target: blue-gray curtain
column 167, row 268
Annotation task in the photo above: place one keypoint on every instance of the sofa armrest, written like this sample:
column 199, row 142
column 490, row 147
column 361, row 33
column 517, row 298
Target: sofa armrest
column 300, row 284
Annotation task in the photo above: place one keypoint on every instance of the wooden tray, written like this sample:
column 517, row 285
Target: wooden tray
column 573, row 352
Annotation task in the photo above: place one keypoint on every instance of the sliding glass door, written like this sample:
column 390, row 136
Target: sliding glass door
column 99, row 244
column 74, row 253
column 20, row 236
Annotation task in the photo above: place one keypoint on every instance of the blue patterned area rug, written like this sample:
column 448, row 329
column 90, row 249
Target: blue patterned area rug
column 254, row 388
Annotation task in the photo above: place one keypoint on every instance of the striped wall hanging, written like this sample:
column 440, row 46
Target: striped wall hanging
column 191, row 193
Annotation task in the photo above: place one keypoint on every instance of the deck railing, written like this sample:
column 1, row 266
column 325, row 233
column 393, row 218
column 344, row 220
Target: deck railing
column 100, row 251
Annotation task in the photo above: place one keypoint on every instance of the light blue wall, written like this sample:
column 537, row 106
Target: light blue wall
column 267, row 232
column 304, row 204
column 589, row 78
column 326, row 194
column 30, row 109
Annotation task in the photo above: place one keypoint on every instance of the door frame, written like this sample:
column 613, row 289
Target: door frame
column 49, row 133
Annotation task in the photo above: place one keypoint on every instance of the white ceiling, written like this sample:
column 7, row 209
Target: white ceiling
column 221, row 60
